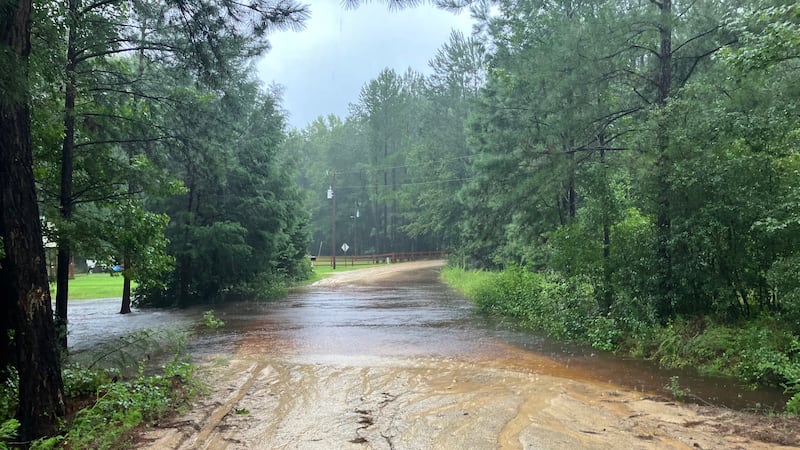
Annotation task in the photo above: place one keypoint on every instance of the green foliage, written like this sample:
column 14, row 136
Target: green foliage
column 9, row 391
column 783, row 277
column 122, row 406
column 769, row 35
column 211, row 320
column 261, row 290
column 466, row 282
column 764, row 352
column 240, row 220
column 793, row 405
column 563, row 308
column 674, row 388
column 8, row 432
column 123, row 354
column 604, row 333
column 80, row 381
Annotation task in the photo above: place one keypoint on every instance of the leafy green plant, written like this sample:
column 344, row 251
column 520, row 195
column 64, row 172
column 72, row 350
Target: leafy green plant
column 123, row 354
column 604, row 333
column 263, row 289
column 9, row 390
column 80, row 381
column 793, row 405
column 674, row 387
column 8, row 431
column 211, row 320
column 122, row 406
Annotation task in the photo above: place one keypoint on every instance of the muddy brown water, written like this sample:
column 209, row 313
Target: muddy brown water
column 427, row 319
column 413, row 316
column 388, row 358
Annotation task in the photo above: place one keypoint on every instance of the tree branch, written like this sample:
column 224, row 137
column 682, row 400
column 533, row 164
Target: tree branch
column 124, row 141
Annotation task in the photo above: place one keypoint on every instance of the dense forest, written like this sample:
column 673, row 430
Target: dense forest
column 645, row 148
column 631, row 165
column 135, row 134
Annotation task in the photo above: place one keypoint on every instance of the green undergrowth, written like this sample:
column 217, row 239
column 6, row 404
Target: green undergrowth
column 108, row 401
column 760, row 351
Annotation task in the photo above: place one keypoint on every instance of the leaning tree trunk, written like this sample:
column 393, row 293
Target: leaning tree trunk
column 24, row 290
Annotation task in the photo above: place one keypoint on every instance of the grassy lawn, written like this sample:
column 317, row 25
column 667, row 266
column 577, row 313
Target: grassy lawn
column 93, row 285
column 103, row 285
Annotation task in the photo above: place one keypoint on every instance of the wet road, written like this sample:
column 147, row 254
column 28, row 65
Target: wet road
column 392, row 359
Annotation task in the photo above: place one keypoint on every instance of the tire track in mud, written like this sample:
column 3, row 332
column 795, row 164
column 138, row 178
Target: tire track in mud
column 433, row 404
column 277, row 396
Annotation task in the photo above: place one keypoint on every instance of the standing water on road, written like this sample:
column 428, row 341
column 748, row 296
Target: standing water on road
column 389, row 358
column 424, row 318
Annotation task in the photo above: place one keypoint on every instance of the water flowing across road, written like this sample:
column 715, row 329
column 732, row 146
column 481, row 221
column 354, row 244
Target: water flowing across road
column 391, row 358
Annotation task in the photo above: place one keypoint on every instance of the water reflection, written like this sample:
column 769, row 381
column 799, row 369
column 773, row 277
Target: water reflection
column 426, row 320
column 429, row 320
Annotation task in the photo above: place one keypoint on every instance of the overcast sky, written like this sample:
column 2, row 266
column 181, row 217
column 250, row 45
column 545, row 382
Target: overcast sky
column 323, row 67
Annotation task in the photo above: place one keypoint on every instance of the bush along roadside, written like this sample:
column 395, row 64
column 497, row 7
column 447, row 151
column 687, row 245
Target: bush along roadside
column 104, row 408
column 762, row 351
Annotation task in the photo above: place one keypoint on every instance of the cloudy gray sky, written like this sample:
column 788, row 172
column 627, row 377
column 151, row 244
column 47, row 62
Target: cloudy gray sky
column 323, row 67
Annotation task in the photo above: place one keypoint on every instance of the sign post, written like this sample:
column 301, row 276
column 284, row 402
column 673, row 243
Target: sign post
column 345, row 248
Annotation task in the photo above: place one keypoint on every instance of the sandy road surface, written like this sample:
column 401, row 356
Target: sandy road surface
column 262, row 399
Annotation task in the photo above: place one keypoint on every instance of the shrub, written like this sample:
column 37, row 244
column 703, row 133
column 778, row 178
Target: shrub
column 8, row 431
column 793, row 405
column 261, row 289
column 604, row 333
column 9, row 390
column 563, row 308
column 211, row 320
column 121, row 406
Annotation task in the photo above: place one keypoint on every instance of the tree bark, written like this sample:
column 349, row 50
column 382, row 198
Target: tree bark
column 607, row 295
column 125, row 308
column 65, row 200
column 29, row 336
column 663, row 165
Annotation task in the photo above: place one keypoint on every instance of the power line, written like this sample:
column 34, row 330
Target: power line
column 417, row 183
column 405, row 166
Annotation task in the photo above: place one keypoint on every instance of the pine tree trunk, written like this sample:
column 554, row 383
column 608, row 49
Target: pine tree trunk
column 24, row 290
column 663, row 166
column 66, row 201
column 607, row 294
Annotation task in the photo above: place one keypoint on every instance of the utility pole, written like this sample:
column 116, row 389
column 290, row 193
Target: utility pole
column 332, row 195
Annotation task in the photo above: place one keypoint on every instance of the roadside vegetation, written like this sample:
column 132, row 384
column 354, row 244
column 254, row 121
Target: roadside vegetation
column 124, row 385
column 761, row 351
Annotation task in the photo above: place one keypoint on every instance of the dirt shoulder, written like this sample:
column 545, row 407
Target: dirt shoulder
column 373, row 276
column 298, row 400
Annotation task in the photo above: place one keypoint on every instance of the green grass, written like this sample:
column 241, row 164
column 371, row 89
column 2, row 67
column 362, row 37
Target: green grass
column 94, row 285
column 467, row 281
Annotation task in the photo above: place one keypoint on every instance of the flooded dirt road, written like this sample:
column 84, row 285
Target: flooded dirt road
column 387, row 358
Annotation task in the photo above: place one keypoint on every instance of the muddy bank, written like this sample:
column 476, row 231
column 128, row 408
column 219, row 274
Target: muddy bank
column 335, row 368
